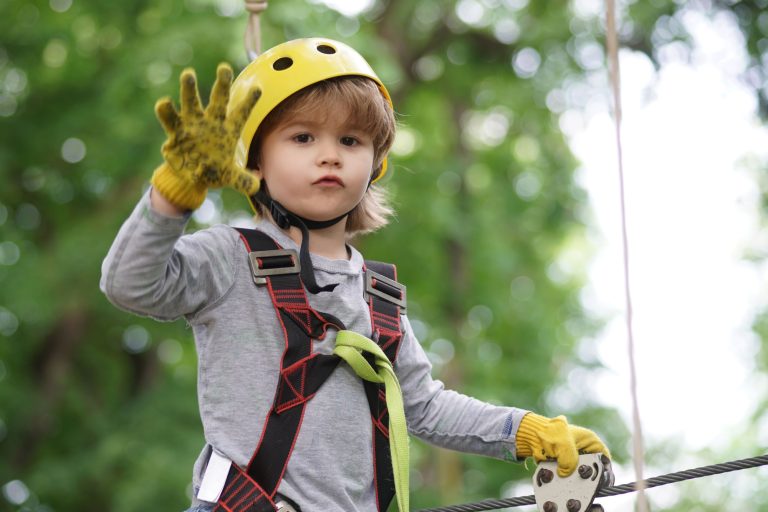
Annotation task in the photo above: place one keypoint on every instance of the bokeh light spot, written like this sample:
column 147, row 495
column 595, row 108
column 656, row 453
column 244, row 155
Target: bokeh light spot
column 110, row 37
column 15, row 81
column 405, row 142
column 73, row 150
column 135, row 339
column 8, row 105
column 470, row 12
column 60, row 5
column 32, row 179
column 170, row 351
column 527, row 185
column 9, row 253
column 8, row 322
column 429, row 67
column 16, row 492
column 158, row 72
column 526, row 62
column 347, row 26
column 506, row 31
column 55, row 53
column 27, row 217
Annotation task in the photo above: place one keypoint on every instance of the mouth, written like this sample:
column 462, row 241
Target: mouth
column 329, row 180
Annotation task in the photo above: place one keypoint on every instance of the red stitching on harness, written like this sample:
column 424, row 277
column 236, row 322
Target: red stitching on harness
column 299, row 393
column 388, row 338
column 245, row 241
column 296, row 293
column 388, row 319
column 241, row 481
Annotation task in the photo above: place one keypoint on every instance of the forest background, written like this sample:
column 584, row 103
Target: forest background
column 98, row 407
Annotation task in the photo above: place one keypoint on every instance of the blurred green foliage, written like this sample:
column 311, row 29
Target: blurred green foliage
column 98, row 407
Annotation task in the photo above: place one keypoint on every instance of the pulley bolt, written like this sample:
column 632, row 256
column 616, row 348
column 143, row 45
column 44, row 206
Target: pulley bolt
column 546, row 476
column 585, row 471
column 573, row 505
column 550, row 506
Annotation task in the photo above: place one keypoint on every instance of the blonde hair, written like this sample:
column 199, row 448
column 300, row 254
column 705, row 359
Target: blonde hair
column 368, row 111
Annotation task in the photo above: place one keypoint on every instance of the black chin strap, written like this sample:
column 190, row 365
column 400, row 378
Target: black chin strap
column 284, row 220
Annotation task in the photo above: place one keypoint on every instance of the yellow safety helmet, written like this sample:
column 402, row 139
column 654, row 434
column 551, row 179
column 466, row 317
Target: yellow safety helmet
column 289, row 67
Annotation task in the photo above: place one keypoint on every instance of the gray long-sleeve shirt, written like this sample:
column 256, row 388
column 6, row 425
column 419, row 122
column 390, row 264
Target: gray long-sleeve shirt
column 153, row 269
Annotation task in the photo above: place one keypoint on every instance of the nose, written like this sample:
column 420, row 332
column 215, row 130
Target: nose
column 328, row 154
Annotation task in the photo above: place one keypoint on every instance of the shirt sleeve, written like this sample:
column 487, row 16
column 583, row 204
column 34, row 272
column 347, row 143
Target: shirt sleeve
column 152, row 270
column 449, row 419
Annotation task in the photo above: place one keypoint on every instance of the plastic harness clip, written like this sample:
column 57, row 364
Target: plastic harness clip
column 273, row 262
column 574, row 493
column 385, row 288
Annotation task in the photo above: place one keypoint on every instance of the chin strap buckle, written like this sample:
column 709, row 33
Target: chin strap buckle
column 574, row 493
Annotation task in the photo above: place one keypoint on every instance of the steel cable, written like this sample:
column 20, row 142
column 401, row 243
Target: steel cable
column 669, row 478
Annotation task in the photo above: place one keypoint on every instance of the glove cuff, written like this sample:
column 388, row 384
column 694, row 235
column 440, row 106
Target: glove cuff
column 527, row 438
column 178, row 191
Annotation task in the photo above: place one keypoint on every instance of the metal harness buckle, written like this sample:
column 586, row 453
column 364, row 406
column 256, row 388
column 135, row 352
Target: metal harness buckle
column 386, row 288
column 272, row 263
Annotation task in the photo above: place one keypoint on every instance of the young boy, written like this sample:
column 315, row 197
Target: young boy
column 299, row 406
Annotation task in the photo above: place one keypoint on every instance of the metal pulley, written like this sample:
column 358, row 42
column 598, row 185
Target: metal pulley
column 576, row 492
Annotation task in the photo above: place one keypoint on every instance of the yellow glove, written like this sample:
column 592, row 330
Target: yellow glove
column 553, row 438
column 199, row 152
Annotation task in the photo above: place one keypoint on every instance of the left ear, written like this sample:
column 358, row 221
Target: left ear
column 256, row 172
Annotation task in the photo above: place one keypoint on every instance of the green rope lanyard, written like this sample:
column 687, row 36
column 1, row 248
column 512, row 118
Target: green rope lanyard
column 349, row 346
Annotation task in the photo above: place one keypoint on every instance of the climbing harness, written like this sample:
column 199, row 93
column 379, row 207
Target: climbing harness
column 302, row 373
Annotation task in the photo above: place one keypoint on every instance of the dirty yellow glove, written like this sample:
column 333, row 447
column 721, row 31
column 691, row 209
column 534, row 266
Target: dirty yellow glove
column 553, row 438
column 199, row 152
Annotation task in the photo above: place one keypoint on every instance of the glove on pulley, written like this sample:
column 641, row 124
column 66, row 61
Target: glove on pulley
column 199, row 152
column 553, row 438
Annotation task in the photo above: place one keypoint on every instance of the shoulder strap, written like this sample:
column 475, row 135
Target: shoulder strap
column 386, row 300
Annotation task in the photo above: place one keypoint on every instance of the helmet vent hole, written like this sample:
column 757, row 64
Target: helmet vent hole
column 282, row 63
column 324, row 48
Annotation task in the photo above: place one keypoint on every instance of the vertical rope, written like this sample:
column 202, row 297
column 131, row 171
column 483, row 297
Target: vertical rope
column 612, row 43
column 253, row 28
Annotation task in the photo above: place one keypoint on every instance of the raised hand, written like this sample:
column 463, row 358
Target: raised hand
column 199, row 151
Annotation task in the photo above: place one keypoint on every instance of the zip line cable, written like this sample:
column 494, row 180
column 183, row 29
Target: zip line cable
column 612, row 45
column 657, row 481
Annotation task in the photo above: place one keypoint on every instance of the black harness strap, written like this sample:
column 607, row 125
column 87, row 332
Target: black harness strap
column 302, row 373
column 385, row 324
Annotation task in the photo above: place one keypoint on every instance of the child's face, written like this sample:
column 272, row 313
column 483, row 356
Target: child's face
column 318, row 167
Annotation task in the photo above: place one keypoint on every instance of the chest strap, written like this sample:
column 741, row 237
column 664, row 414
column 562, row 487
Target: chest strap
column 302, row 373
